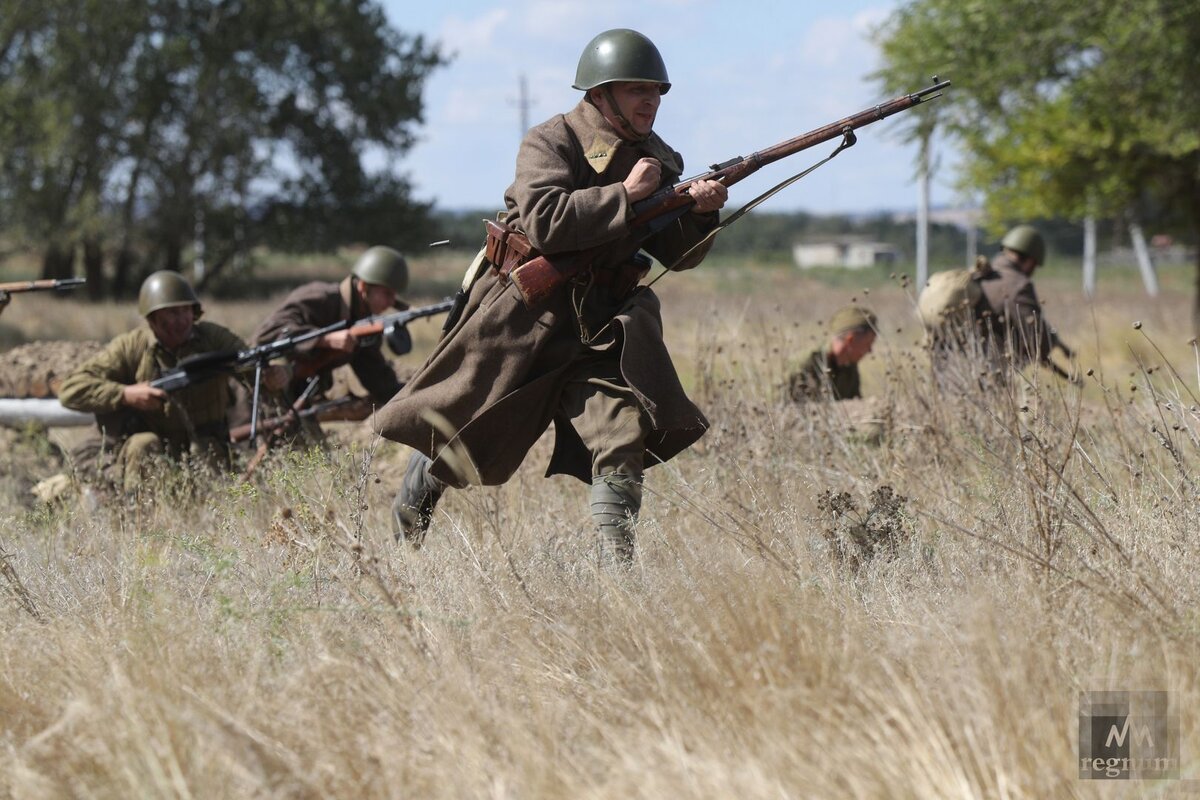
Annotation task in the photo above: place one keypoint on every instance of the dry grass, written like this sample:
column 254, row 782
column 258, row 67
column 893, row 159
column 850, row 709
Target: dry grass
column 271, row 640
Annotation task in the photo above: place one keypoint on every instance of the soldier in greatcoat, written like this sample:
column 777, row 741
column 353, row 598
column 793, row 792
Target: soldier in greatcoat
column 591, row 358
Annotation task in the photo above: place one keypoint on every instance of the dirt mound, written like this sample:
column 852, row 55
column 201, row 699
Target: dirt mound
column 37, row 369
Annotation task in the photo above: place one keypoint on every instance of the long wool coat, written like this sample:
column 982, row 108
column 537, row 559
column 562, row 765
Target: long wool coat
column 493, row 384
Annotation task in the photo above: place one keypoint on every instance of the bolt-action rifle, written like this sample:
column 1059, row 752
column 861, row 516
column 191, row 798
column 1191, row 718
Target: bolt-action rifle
column 47, row 285
column 537, row 275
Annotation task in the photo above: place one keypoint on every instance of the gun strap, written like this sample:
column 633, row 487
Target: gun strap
column 848, row 140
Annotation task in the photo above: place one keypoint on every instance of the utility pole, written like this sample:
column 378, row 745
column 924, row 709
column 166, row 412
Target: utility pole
column 523, row 104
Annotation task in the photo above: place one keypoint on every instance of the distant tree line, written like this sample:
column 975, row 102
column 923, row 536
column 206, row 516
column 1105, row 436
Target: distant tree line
column 770, row 236
column 131, row 128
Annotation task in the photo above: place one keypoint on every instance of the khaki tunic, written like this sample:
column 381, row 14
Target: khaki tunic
column 318, row 305
column 822, row 378
column 497, row 379
column 193, row 415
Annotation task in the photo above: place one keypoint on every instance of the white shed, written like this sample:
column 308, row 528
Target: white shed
column 848, row 253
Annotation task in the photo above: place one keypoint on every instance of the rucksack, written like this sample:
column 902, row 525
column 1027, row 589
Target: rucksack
column 952, row 293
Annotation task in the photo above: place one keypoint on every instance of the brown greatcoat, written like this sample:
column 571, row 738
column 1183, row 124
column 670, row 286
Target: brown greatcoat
column 1011, row 314
column 318, row 305
column 494, row 382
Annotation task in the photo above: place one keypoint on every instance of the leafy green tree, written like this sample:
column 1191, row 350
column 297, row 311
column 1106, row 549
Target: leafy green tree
column 1063, row 108
column 134, row 119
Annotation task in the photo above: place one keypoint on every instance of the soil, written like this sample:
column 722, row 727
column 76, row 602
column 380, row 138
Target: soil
column 36, row 369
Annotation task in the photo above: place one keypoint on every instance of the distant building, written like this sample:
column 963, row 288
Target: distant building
column 845, row 252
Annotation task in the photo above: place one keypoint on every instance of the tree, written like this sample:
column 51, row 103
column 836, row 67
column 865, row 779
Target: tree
column 137, row 117
column 1063, row 108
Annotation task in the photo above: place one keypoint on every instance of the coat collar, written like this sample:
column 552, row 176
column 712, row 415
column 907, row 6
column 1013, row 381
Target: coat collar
column 600, row 141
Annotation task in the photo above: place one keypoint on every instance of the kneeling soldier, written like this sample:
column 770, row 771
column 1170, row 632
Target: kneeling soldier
column 139, row 422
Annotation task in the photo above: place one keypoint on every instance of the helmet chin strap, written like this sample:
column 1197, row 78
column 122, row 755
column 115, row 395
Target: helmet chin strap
column 615, row 109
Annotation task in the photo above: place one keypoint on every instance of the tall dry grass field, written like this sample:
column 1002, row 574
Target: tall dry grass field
column 903, row 600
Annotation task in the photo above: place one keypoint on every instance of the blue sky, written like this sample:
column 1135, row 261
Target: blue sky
column 745, row 76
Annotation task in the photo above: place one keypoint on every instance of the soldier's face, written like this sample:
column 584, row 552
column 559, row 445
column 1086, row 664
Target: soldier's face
column 637, row 101
column 853, row 347
column 377, row 297
column 172, row 326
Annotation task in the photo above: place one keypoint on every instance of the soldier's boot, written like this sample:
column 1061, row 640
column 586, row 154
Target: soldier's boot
column 616, row 499
column 418, row 496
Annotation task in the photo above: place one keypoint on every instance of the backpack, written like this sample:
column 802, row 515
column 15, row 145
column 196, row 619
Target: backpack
column 950, row 293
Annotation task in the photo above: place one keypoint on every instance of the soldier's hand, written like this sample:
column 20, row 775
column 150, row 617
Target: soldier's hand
column 143, row 397
column 643, row 179
column 709, row 196
column 342, row 341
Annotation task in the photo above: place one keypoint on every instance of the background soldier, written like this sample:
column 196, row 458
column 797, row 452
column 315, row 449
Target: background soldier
column 833, row 373
column 377, row 278
column 139, row 422
column 591, row 359
column 1010, row 315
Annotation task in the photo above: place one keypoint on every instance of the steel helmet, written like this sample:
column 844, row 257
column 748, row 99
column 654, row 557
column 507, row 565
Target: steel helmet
column 620, row 55
column 1026, row 240
column 384, row 266
column 165, row 289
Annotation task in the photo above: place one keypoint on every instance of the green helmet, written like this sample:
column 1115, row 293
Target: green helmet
column 620, row 55
column 1026, row 240
column 384, row 266
column 166, row 289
